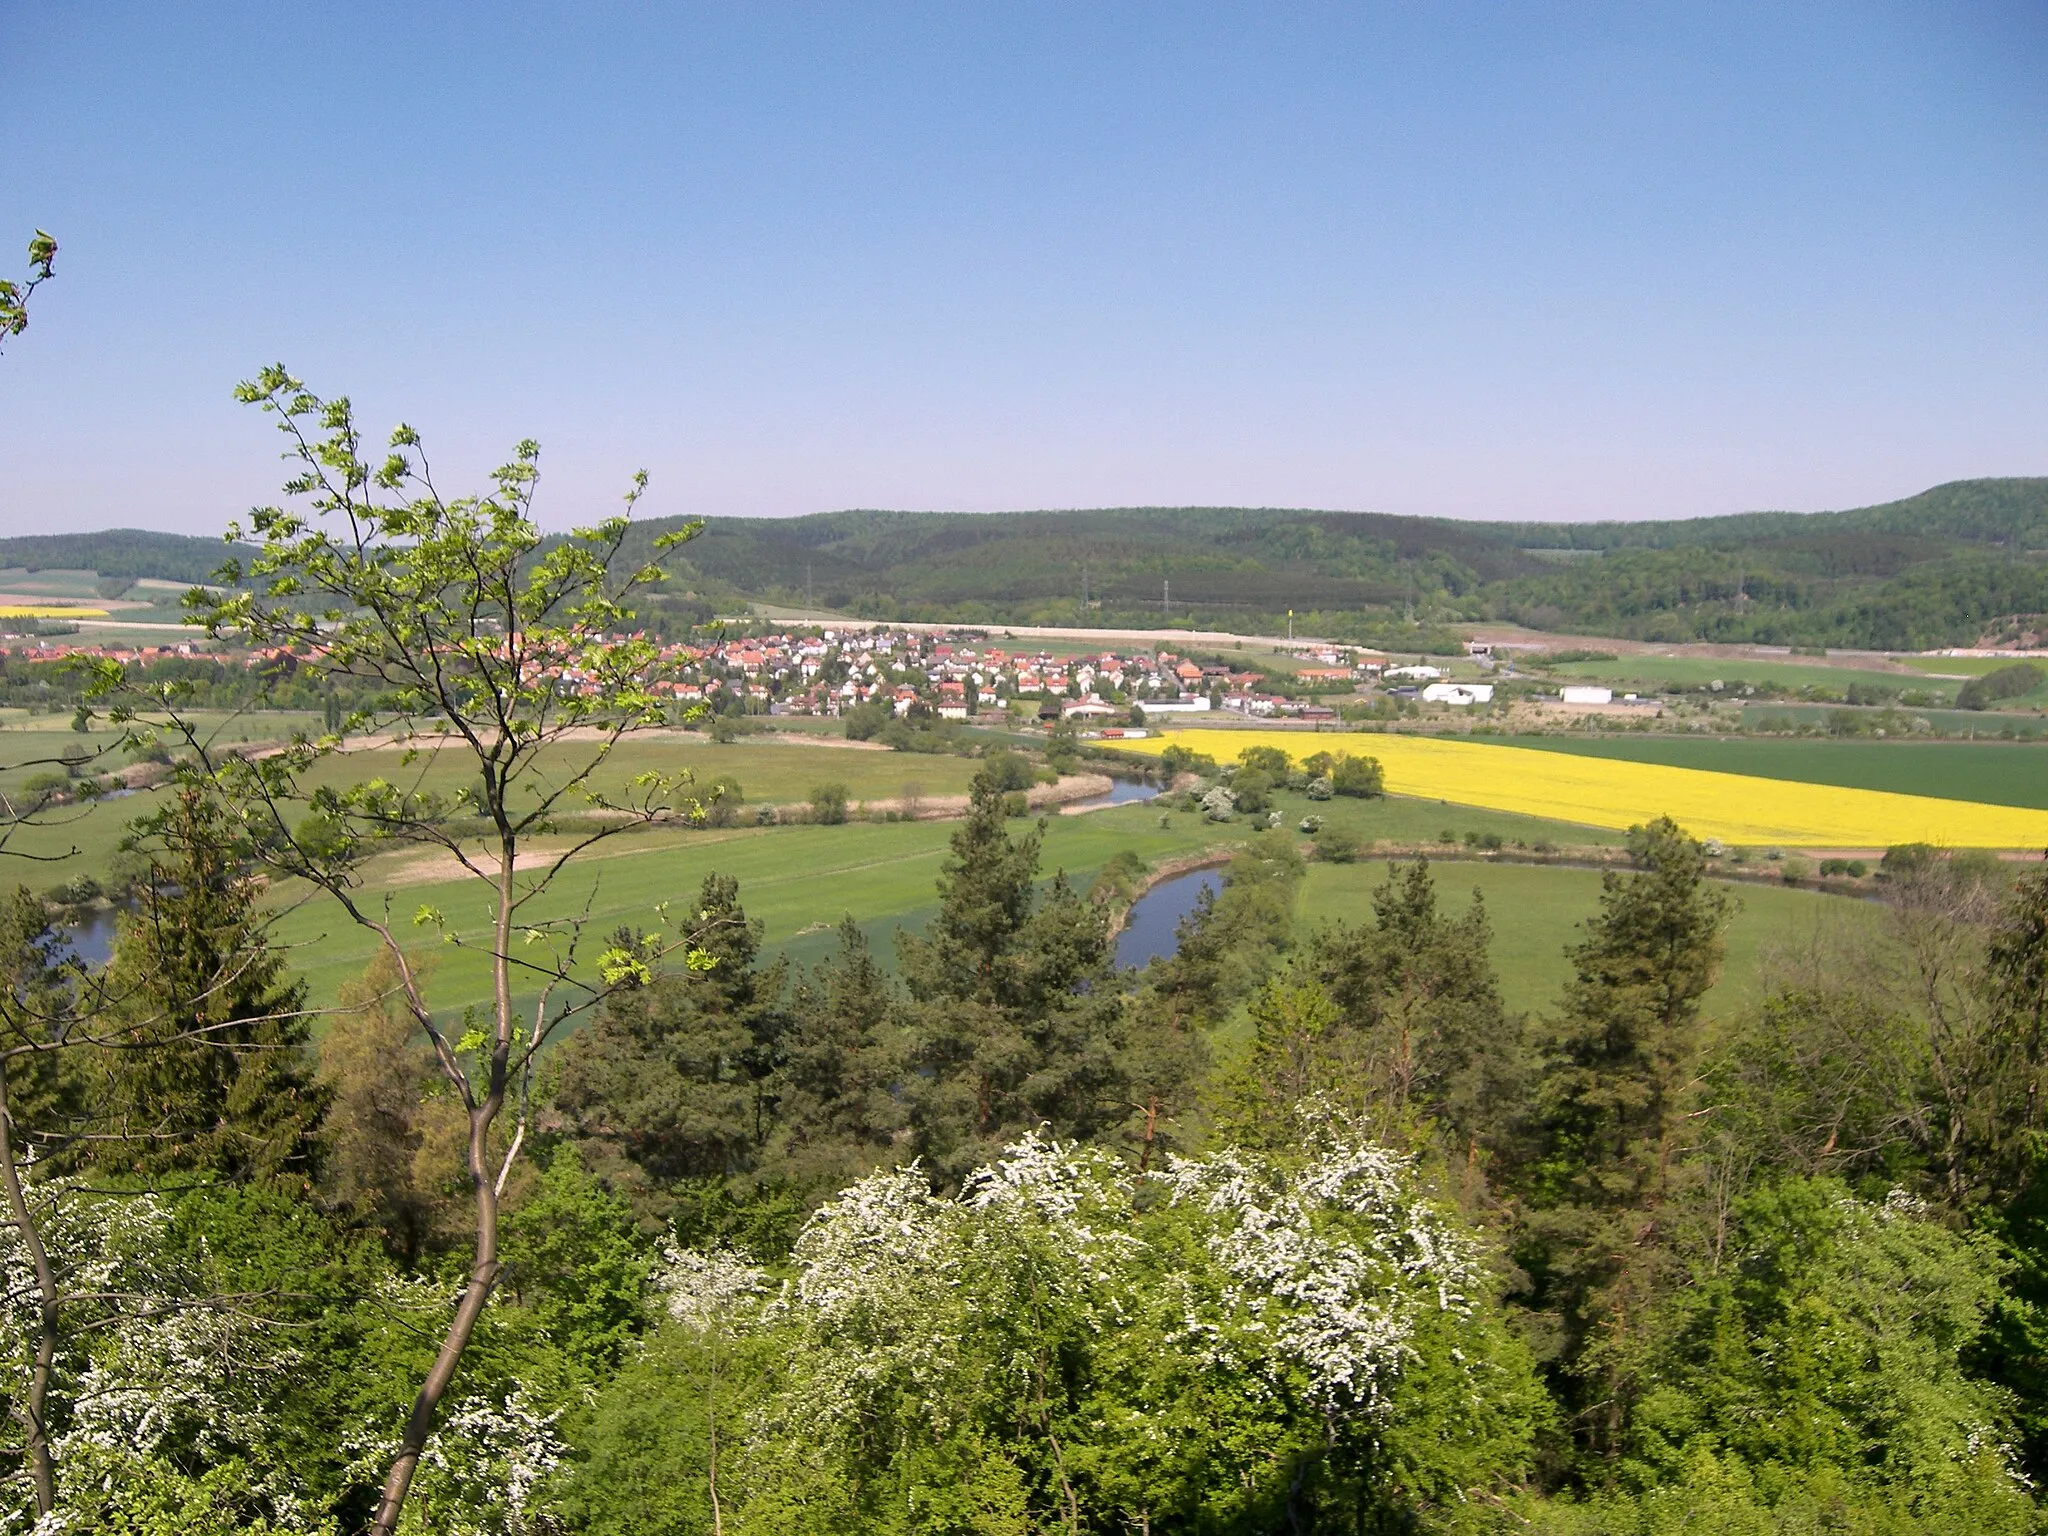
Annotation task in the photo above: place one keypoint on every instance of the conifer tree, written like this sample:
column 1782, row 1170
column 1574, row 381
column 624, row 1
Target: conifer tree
column 670, row 1080
column 834, row 1109
column 1013, row 1021
column 1609, row 1103
column 205, row 1069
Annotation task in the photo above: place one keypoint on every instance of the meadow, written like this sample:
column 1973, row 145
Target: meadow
column 1736, row 808
column 798, row 881
column 769, row 771
column 1536, row 912
column 1650, row 671
column 1995, row 773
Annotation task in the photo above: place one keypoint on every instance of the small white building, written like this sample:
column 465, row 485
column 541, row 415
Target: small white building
column 1194, row 706
column 1458, row 693
column 1586, row 693
column 1420, row 674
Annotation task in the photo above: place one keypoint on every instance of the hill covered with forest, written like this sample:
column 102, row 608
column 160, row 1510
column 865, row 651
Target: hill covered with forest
column 1949, row 566
column 1938, row 568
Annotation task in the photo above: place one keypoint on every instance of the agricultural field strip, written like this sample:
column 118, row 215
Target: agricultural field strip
column 1989, row 773
column 1737, row 808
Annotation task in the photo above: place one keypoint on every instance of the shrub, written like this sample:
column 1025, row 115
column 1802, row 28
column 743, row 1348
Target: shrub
column 828, row 804
column 1358, row 776
column 43, row 785
column 1008, row 770
column 1270, row 761
column 1335, row 847
column 865, row 721
column 1016, row 803
column 1320, row 789
column 2006, row 683
column 1253, row 791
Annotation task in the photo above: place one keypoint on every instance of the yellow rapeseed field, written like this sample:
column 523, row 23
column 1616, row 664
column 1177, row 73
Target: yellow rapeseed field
column 1601, row 792
column 48, row 611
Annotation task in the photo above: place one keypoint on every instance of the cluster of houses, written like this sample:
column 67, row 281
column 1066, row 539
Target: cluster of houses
column 831, row 672
column 955, row 676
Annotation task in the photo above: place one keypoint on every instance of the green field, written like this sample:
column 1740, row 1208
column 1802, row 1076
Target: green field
column 799, row 881
column 1691, row 671
column 1975, row 723
column 1966, row 666
column 1536, row 912
column 1995, row 773
column 769, row 773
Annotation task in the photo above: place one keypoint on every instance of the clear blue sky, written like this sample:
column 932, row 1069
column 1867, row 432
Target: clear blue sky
column 1500, row 259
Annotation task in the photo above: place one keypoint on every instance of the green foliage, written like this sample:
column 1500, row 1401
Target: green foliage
column 208, row 1066
column 828, row 804
column 1022, row 1356
column 1252, row 790
column 1360, row 777
column 2006, row 683
column 14, row 296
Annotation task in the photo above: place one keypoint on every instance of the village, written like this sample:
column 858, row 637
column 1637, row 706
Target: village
column 831, row 672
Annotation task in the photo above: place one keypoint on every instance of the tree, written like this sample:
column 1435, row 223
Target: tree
column 1361, row 777
column 207, row 1071
column 385, row 1125
column 14, row 296
column 489, row 644
column 1012, row 1019
column 835, row 1113
column 828, row 804
column 670, row 1081
column 1418, row 987
column 1609, row 1101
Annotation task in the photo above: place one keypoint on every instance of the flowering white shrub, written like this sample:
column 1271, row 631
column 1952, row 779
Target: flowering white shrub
column 1300, row 1282
column 148, row 1366
column 1329, row 1266
column 482, row 1469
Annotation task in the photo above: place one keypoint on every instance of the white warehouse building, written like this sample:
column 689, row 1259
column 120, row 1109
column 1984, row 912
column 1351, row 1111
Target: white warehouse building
column 1586, row 693
column 1458, row 693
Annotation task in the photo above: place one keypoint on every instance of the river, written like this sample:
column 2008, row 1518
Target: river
column 1148, row 932
column 1121, row 792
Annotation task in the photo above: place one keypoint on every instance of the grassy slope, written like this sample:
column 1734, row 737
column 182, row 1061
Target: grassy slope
column 1654, row 671
column 799, row 881
column 1536, row 912
column 769, row 773
column 1997, row 773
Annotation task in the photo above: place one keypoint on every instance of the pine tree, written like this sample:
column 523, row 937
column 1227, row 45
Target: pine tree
column 671, row 1081
column 1419, row 987
column 1015, row 1018
column 835, row 1113
column 206, row 1071
column 1609, row 1102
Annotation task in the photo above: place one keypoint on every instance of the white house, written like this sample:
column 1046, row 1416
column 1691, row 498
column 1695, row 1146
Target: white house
column 1586, row 693
column 1458, row 693
column 1417, row 673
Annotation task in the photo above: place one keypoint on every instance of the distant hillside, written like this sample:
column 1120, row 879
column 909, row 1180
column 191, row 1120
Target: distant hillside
column 1943, row 567
column 132, row 552
column 1937, row 568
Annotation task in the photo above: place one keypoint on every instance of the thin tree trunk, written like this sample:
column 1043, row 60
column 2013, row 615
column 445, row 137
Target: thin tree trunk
column 34, row 1407
column 483, row 1273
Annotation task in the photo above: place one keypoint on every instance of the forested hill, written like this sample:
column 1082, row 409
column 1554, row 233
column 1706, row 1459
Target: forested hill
column 132, row 552
column 1938, row 568
column 1949, row 566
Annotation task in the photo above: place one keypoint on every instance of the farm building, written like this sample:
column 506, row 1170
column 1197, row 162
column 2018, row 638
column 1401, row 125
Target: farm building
column 1458, row 693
